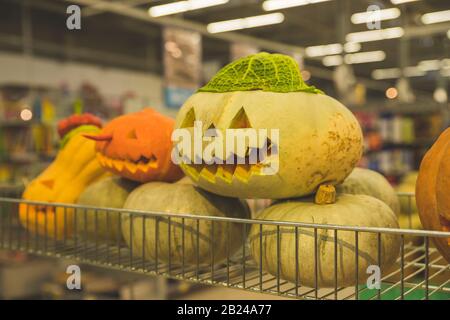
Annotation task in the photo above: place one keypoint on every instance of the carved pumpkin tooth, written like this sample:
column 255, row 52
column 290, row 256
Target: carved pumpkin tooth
column 118, row 164
column 209, row 173
column 222, row 174
column 256, row 169
column 191, row 171
column 131, row 167
column 103, row 160
column 109, row 162
column 242, row 173
column 226, row 172
column 99, row 157
column 153, row 165
column 142, row 167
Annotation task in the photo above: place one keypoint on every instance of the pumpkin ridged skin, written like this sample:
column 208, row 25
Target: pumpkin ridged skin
column 183, row 198
column 110, row 192
column 73, row 169
column 319, row 139
column 432, row 191
column 143, row 134
column 348, row 210
column 371, row 183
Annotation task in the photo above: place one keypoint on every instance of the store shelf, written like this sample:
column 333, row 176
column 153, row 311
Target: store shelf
column 420, row 272
column 421, row 106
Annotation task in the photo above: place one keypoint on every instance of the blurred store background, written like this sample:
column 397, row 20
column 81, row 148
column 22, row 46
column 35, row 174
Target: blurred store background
column 387, row 60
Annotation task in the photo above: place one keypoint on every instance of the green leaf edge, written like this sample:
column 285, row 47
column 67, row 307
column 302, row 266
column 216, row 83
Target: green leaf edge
column 71, row 133
column 233, row 77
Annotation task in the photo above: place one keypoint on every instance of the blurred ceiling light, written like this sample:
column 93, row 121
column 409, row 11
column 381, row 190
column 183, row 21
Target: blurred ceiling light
column 323, row 50
column 330, row 61
column 429, row 65
column 375, row 35
column 379, row 15
column 354, row 58
column 390, row 73
column 245, row 23
column 445, row 63
column 365, row 57
column 351, row 47
column 445, row 72
column 402, row 1
column 448, row 34
column 182, row 6
column 440, row 95
column 413, row 72
column 270, row 5
column 26, row 115
column 436, row 17
column 391, row 93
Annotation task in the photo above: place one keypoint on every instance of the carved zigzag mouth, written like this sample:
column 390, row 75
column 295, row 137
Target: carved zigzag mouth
column 226, row 172
column 143, row 164
column 239, row 167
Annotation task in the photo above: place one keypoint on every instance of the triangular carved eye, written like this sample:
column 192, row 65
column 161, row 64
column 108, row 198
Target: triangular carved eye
column 48, row 183
column 189, row 119
column 132, row 134
column 240, row 120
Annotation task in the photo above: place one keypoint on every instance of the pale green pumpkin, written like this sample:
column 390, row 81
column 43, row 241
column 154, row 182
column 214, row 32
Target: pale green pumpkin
column 371, row 183
column 320, row 141
column 101, row 225
column 348, row 210
column 208, row 245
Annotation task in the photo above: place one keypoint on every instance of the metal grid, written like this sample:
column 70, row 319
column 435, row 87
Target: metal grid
column 420, row 272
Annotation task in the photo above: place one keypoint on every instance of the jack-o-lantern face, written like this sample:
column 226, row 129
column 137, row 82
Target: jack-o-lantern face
column 137, row 146
column 308, row 139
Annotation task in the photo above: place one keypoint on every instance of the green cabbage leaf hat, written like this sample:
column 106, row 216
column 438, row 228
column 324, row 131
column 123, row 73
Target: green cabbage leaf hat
column 261, row 71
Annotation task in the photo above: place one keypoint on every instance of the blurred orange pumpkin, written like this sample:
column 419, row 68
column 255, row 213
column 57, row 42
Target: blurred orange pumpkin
column 432, row 191
column 138, row 146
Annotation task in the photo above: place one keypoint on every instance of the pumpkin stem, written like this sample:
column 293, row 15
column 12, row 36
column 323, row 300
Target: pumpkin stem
column 326, row 194
column 100, row 137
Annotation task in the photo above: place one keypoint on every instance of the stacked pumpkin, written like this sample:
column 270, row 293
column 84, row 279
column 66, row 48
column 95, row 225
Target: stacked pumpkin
column 319, row 144
column 314, row 145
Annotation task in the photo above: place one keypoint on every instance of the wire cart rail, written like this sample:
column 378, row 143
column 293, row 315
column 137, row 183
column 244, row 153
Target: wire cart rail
column 174, row 246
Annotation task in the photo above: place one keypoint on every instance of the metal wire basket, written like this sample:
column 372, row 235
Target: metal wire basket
column 174, row 246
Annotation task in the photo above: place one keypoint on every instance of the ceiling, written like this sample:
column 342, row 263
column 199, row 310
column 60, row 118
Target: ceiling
column 115, row 39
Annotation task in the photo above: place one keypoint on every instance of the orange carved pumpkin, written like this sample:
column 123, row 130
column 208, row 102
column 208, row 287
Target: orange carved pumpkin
column 432, row 191
column 138, row 146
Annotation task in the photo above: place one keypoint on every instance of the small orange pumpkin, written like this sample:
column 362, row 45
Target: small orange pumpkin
column 432, row 191
column 138, row 147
